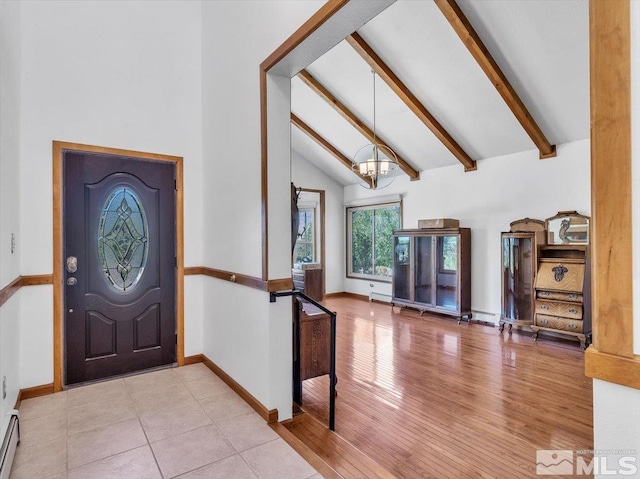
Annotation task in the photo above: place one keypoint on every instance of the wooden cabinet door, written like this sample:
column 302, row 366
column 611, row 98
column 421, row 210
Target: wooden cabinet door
column 402, row 267
column 423, row 260
column 446, row 271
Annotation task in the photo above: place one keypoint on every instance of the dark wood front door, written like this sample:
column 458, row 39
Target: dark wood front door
column 119, row 262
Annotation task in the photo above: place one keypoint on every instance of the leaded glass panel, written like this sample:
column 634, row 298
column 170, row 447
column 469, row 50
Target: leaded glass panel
column 123, row 238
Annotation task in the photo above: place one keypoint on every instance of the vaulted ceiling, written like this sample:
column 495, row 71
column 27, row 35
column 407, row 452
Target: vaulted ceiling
column 445, row 109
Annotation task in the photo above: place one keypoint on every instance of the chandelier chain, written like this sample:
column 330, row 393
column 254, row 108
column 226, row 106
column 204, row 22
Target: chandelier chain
column 374, row 106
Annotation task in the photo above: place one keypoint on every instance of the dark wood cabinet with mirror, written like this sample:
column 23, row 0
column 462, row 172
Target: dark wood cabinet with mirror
column 519, row 266
column 432, row 271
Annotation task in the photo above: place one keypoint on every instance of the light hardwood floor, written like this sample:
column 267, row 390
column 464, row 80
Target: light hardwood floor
column 426, row 397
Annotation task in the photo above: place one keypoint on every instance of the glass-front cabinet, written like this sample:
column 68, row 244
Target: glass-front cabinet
column 402, row 267
column 518, row 272
column 424, row 264
column 432, row 271
column 447, row 272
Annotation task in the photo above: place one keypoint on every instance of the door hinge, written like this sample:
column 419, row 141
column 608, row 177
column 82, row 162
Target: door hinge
column 175, row 185
column 175, row 261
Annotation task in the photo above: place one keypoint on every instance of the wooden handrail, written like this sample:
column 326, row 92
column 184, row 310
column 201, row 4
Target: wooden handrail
column 29, row 280
column 242, row 279
column 269, row 285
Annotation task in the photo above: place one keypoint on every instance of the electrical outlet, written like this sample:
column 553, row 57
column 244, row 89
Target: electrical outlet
column 13, row 243
column 4, row 387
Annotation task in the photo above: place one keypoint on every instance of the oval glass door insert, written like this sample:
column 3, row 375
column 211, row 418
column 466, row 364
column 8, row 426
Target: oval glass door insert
column 123, row 238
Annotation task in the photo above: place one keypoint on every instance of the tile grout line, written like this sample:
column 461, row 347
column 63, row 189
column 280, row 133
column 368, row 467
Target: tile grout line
column 128, row 394
column 138, row 413
column 153, row 454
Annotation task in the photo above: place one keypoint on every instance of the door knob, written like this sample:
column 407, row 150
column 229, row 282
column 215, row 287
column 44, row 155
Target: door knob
column 72, row 264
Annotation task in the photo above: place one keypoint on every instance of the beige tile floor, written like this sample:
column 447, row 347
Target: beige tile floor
column 181, row 422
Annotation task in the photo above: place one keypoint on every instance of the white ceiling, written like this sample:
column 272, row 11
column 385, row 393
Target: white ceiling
column 542, row 46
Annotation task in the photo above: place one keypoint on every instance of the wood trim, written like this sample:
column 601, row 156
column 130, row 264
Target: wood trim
column 324, row 143
column 269, row 415
column 307, row 454
column 29, row 280
column 402, row 91
column 323, row 242
column 330, row 8
column 612, row 368
column 36, row 279
column 264, row 174
column 63, row 145
column 481, row 54
column 195, row 359
column 243, row 279
column 611, row 189
column 345, row 294
column 179, row 258
column 316, row 21
column 58, row 148
column 9, row 290
column 353, row 119
column 34, row 392
column 281, row 284
column 193, row 270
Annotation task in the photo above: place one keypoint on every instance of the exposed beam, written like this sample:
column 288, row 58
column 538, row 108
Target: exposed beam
column 474, row 44
column 315, row 136
column 358, row 124
column 401, row 90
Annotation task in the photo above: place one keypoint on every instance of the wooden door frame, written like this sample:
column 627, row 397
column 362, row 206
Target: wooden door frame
column 611, row 357
column 323, row 262
column 59, row 147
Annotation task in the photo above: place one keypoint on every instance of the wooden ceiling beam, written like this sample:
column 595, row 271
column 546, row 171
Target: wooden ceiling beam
column 479, row 51
column 358, row 124
column 401, row 90
column 315, row 136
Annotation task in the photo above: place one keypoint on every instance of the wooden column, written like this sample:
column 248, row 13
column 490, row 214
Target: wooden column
column 611, row 176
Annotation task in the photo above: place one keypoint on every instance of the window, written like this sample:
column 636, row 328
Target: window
column 122, row 239
column 304, row 251
column 370, row 240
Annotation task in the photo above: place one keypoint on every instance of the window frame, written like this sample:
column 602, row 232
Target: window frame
column 348, row 248
column 314, row 247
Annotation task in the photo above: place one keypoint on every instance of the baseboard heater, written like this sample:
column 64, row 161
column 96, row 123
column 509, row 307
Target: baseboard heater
column 385, row 298
column 9, row 444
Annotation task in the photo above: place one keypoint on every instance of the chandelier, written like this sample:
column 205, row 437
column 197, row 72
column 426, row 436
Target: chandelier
column 375, row 163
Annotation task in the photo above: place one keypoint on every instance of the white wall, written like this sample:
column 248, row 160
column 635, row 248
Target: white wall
column 117, row 74
column 306, row 175
column 193, row 313
column 616, row 421
column 502, row 190
column 242, row 332
column 9, row 201
column 9, row 134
